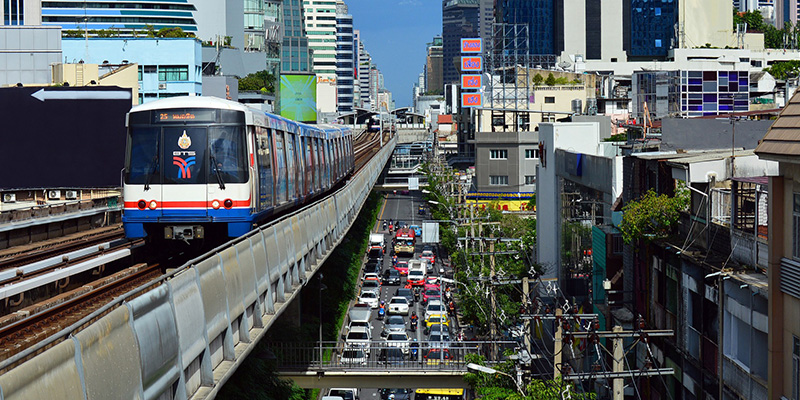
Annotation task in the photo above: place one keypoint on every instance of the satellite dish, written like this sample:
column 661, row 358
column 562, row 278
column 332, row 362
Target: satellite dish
column 564, row 64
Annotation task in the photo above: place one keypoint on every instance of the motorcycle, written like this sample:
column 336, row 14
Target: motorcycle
column 413, row 325
column 384, row 225
column 381, row 312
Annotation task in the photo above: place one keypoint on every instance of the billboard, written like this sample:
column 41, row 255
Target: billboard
column 471, row 81
column 471, row 99
column 62, row 137
column 471, row 63
column 299, row 97
column 471, row 45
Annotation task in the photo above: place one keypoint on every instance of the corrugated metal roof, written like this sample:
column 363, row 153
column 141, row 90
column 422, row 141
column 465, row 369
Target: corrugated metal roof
column 783, row 137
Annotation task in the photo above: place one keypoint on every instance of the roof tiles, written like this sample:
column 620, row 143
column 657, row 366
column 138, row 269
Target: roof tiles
column 783, row 137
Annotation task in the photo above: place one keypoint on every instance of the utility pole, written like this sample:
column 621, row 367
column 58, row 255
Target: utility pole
column 557, row 344
column 526, row 299
column 618, row 386
column 493, row 323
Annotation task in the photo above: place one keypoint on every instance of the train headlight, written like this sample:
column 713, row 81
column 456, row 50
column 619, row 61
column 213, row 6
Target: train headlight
column 215, row 204
column 228, row 203
column 142, row 204
column 153, row 204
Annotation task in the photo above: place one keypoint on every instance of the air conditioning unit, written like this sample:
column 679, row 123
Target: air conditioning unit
column 162, row 86
column 9, row 197
column 53, row 194
column 71, row 194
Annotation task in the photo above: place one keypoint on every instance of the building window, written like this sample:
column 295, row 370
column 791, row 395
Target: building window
column 549, row 100
column 531, row 154
column 140, row 73
column 795, row 367
column 498, row 180
column 498, row 154
column 796, row 225
column 173, row 73
column 530, row 179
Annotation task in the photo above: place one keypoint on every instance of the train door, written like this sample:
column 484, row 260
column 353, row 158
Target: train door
column 263, row 152
column 300, row 167
column 280, row 168
column 184, row 191
column 291, row 181
column 328, row 166
column 309, row 165
column 317, row 165
column 338, row 143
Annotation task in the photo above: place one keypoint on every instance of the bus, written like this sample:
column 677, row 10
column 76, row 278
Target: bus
column 404, row 241
column 439, row 394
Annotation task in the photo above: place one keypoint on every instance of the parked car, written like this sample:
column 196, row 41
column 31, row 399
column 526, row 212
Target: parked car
column 398, row 305
column 391, row 277
column 393, row 324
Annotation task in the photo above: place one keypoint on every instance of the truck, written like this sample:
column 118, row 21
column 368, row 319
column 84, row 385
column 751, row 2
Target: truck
column 377, row 240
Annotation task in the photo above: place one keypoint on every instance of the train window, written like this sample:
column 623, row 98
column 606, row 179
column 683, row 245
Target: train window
column 227, row 154
column 142, row 165
column 184, row 155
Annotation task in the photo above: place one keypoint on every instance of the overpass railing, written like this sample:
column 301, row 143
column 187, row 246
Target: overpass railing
column 372, row 356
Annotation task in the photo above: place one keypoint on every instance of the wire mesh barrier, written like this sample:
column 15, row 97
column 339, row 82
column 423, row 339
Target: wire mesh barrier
column 382, row 355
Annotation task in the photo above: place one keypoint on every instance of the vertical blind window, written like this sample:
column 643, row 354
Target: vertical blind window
column 498, row 154
column 498, row 180
column 531, row 154
column 173, row 73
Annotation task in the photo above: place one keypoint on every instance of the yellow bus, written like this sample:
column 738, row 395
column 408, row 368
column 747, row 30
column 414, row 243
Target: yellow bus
column 439, row 394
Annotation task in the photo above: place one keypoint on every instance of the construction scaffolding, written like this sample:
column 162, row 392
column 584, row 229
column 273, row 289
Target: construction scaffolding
column 509, row 67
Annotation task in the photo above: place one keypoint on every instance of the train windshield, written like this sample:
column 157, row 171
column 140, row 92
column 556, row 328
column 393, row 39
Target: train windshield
column 186, row 155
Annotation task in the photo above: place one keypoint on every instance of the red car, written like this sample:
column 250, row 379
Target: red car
column 428, row 255
column 432, row 283
column 431, row 294
column 416, row 278
column 402, row 267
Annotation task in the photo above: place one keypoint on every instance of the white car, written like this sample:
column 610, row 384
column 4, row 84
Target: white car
column 399, row 340
column 369, row 297
column 353, row 356
column 398, row 305
column 359, row 338
column 435, row 307
column 371, row 275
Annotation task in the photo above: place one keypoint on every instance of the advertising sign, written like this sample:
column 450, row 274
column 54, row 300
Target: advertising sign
column 299, row 97
column 471, row 81
column 471, row 45
column 474, row 63
column 471, row 99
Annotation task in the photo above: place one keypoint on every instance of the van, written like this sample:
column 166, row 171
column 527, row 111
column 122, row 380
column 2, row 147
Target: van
column 377, row 240
column 418, row 265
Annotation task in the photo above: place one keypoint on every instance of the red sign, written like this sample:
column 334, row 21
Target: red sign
column 470, row 81
column 471, row 45
column 471, row 63
column 471, row 99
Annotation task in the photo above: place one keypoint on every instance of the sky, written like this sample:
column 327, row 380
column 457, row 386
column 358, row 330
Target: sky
column 395, row 33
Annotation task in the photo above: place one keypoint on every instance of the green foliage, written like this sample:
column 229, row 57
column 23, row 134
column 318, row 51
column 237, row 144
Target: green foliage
column 562, row 80
column 620, row 137
column 72, row 33
column 538, row 79
column 258, row 81
column 784, row 69
column 774, row 38
column 753, row 19
column 502, row 387
column 551, row 80
column 175, row 32
column 652, row 216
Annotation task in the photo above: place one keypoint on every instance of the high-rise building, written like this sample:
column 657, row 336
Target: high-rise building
column 320, row 23
column 294, row 51
column 123, row 16
column 344, row 59
column 356, row 68
column 364, row 67
column 460, row 19
column 786, row 11
column 21, row 12
column 652, row 27
column 433, row 67
column 538, row 15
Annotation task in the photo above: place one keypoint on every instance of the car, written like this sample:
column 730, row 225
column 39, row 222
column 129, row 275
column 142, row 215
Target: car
column 373, row 267
column 353, row 356
column 359, row 338
column 344, row 393
column 407, row 293
column 431, row 294
column 428, row 255
column 439, row 339
column 439, row 328
column 353, row 324
column 390, row 277
column 416, row 278
column 401, row 267
column 375, row 253
column 399, row 340
column 371, row 275
column 398, row 305
column 417, row 230
column 436, row 319
column 438, row 356
column 392, row 356
column 435, row 307
column 360, row 313
column 394, row 323
column 371, row 286
column 400, row 224
column 369, row 297
column 432, row 282
column 399, row 394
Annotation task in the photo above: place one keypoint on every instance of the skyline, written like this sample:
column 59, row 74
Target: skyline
column 413, row 20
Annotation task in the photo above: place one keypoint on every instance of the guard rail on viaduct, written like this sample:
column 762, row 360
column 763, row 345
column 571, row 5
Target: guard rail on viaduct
column 183, row 335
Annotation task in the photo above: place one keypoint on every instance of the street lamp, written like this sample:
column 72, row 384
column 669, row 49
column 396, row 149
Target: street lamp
column 486, row 370
column 321, row 288
column 434, row 202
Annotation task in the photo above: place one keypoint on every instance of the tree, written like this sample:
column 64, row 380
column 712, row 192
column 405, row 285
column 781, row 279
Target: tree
column 258, row 81
column 784, row 69
column 551, row 80
column 501, row 387
column 538, row 79
column 653, row 215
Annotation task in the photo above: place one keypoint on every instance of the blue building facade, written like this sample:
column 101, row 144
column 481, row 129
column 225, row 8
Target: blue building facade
column 124, row 16
column 652, row 27
column 294, row 50
column 540, row 18
column 168, row 67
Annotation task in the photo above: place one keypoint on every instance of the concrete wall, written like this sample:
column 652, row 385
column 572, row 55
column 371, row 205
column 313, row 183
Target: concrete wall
column 220, row 86
column 26, row 53
column 188, row 334
column 220, row 17
column 516, row 166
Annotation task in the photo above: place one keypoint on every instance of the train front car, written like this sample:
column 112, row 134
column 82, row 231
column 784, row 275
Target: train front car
column 187, row 173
